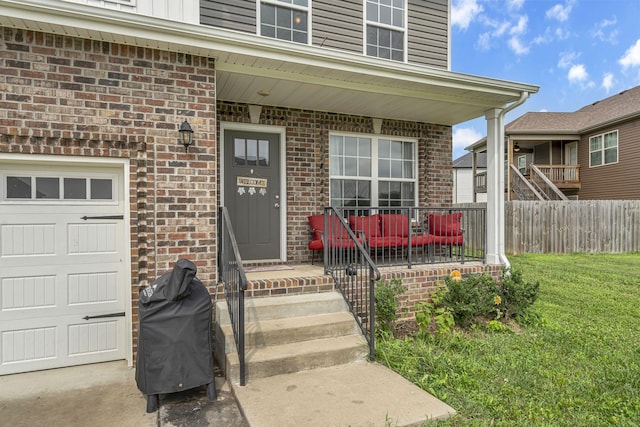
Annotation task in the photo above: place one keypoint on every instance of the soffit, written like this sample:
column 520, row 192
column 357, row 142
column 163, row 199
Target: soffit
column 295, row 76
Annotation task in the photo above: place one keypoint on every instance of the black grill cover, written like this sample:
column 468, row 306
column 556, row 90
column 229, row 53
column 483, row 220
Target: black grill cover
column 174, row 344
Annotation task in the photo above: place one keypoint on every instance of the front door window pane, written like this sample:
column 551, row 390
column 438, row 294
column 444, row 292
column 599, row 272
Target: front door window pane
column 18, row 187
column 47, row 188
column 263, row 152
column 252, row 152
column 240, row 153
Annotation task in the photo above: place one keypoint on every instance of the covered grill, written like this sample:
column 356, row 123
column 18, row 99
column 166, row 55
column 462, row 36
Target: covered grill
column 174, row 344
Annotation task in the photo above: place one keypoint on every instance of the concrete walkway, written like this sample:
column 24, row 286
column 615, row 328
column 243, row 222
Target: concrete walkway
column 355, row 394
column 106, row 394
column 358, row 394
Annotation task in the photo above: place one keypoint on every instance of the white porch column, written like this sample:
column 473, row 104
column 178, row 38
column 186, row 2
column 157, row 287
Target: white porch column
column 495, row 186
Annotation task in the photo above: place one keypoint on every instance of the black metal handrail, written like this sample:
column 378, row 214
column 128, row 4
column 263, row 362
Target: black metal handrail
column 353, row 272
column 235, row 283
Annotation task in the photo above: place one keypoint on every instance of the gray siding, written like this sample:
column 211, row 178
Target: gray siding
column 237, row 15
column 428, row 42
column 338, row 24
column 615, row 181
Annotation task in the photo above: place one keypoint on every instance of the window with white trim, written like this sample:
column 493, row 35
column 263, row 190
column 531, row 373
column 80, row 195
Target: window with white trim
column 603, row 149
column 386, row 29
column 285, row 19
column 21, row 187
column 372, row 171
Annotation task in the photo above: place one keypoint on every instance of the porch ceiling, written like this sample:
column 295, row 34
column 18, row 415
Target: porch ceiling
column 295, row 76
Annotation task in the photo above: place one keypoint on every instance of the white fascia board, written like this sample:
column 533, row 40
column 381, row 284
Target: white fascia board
column 145, row 31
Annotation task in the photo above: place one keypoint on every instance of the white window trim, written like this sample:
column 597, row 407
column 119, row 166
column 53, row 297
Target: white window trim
column 602, row 150
column 405, row 31
column 374, row 179
column 278, row 3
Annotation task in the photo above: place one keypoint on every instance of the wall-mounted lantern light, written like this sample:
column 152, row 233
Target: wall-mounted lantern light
column 186, row 135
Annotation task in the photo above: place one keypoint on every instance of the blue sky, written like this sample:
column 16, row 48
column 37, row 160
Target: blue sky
column 577, row 51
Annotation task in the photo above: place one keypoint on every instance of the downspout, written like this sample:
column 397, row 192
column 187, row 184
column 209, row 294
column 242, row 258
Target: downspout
column 523, row 97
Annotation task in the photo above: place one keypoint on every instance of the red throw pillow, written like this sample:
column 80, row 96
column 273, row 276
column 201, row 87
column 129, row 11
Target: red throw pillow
column 445, row 225
column 396, row 225
column 369, row 225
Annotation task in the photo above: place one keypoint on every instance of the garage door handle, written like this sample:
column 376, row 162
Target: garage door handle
column 103, row 217
column 105, row 315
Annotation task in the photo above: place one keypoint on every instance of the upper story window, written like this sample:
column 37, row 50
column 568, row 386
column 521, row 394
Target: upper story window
column 285, row 20
column 386, row 28
column 603, row 149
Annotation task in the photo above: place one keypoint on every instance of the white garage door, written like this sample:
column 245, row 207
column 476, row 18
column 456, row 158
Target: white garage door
column 62, row 266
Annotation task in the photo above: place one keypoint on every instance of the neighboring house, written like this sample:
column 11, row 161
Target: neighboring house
column 464, row 172
column 588, row 154
column 294, row 106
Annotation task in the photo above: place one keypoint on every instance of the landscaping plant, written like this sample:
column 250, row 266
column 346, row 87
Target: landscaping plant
column 575, row 362
column 387, row 304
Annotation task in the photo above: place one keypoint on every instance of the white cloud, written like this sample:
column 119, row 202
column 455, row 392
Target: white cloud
column 560, row 12
column 631, row 57
column 517, row 47
column 484, row 41
column 463, row 12
column 603, row 33
column 577, row 74
column 463, row 137
column 520, row 27
column 567, row 59
column 515, row 4
column 562, row 34
column 607, row 82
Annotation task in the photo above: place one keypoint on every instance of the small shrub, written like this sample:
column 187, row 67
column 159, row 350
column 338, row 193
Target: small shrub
column 517, row 294
column 387, row 304
column 481, row 297
column 433, row 315
column 470, row 298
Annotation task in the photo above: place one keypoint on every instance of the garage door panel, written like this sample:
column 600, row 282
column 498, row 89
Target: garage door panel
column 92, row 338
column 28, row 345
column 25, row 239
column 92, row 238
column 63, row 286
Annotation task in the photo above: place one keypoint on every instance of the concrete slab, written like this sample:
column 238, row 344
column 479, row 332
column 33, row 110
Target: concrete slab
column 106, row 394
column 355, row 394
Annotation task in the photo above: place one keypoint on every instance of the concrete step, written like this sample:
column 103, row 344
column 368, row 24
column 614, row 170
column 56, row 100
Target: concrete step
column 257, row 309
column 290, row 334
column 292, row 329
column 297, row 356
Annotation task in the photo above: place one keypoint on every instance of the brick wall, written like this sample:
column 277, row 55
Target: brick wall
column 69, row 96
column 307, row 157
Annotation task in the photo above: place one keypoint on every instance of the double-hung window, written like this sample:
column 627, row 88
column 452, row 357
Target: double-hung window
column 285, row 19
column 372, row 171
column 603, row 149
column 386, row 28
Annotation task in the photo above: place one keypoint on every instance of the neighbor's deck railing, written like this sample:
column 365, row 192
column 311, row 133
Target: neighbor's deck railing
column 235, row 283
column 562, row 175
column 353, row 272
column 416, row 244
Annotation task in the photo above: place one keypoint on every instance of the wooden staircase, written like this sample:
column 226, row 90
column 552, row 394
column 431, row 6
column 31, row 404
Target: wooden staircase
column 286, row 334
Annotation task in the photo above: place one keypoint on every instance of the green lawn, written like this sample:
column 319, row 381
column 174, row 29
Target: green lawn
column 577, row 365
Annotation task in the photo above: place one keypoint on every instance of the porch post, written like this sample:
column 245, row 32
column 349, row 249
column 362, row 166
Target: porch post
column 495, row 186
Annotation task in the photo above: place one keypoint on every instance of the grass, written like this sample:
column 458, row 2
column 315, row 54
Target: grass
column 576, row 364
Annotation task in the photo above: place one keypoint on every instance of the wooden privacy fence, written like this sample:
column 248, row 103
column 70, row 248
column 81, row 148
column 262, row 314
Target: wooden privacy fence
column 606, row 226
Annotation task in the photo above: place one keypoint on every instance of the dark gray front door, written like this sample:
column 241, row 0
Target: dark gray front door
column 252, row 192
